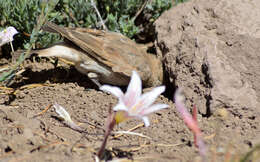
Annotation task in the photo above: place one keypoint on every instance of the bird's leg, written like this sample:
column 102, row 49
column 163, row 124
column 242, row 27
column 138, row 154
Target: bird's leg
column 93, row 70
column 94, row 78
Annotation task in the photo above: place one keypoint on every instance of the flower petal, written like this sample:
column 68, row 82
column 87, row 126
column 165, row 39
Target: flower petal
column 120, row 107
column 148, row 98
column 113, row 90
column 153, row 108
column 12, row 31
column 7, row 35
column 146, row 121
column 134, row 90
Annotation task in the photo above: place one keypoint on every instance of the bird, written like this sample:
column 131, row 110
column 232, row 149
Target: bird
column 104, row 56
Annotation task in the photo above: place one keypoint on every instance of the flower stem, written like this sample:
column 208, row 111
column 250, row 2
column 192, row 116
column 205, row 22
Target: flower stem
column 110, row 124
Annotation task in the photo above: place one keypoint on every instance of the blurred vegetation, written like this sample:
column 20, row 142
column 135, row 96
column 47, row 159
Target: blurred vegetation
column 46, row 8
column 118, row 15
column 179, row 1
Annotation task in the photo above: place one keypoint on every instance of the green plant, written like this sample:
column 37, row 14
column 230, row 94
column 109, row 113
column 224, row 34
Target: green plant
column 46, row 8
column 22, row 14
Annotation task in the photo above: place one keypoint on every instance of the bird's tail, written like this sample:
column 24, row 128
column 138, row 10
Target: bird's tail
column 53, row 28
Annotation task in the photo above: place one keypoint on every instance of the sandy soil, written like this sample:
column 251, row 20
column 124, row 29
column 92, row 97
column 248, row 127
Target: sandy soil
column 25, row 137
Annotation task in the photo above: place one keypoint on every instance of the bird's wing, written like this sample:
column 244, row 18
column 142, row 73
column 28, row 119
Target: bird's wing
column 108, row 48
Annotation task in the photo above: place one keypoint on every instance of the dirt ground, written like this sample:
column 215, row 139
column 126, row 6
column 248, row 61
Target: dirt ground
column 26, row 136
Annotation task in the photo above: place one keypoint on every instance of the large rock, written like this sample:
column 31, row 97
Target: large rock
column 211, row 49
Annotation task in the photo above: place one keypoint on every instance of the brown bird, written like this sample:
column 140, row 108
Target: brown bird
column 106, row 57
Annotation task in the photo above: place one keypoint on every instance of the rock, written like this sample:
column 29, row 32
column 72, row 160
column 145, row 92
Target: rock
column 211, row 48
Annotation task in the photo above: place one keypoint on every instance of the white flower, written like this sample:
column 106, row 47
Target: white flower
column 133, row 103
column 7, row 35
